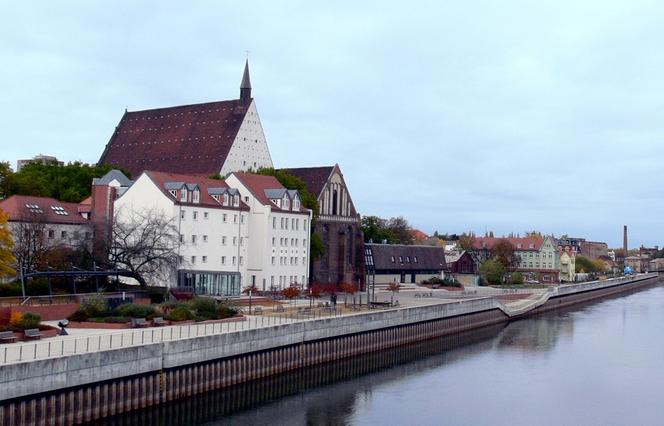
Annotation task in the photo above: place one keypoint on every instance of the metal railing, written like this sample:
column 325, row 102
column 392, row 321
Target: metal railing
column 58, row 299
column 71, row 345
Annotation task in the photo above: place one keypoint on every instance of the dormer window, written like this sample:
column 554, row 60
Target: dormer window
column 225, row 199
column 285, row 203
column 197, row 196
column 296, row 204
column 236, row 200
column 183, row 195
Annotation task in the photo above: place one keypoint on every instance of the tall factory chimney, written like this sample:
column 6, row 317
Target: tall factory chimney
column 625, row 241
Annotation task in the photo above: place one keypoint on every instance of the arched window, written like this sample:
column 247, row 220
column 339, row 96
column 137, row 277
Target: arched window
column 334, row 202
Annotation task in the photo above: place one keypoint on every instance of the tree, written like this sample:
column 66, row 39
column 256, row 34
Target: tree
column 394, row 287
column 503, row 252
column 375, row 230
column 70, row 182
column 7, row 258
column 600, row 265
column 291, row 292
column 30, row 245
column 492, row 271
column 400, row 230
column 585, row 265
column 291, row 181
column 144, row 243
column 517, row 278
column 348, row 289
column 466, row 241
column 317, row 248
column 5, row 177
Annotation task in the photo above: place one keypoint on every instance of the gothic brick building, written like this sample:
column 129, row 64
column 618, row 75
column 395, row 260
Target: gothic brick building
column 338, row 225
column 200, row 139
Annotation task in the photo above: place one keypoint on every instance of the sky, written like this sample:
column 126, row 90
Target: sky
column 459, row 116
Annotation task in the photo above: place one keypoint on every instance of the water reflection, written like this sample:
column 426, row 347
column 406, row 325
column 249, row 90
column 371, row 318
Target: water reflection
column 598, row 361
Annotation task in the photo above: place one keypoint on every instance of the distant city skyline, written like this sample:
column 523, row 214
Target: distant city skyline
column 459, row 117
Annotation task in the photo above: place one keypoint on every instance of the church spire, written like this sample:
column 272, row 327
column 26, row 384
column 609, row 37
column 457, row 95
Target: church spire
column 245, row 86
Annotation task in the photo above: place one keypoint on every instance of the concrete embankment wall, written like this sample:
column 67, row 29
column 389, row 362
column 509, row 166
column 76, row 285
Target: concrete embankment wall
column 77, row 388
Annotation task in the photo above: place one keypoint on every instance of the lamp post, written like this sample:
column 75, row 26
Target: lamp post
column 250, row 290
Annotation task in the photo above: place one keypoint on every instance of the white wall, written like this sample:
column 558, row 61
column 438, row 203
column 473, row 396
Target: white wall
column 249, row 149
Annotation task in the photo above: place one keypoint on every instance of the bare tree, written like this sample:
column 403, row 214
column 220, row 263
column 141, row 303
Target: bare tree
column 30, row 245
column 145, row 243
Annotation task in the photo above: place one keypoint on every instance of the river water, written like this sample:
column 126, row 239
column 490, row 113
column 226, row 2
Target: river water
column 594, row 364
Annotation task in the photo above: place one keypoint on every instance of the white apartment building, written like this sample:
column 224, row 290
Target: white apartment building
column 212, row 223
column 279, row 231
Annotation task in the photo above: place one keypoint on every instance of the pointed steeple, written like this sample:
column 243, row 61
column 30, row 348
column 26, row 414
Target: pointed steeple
column 245, row 86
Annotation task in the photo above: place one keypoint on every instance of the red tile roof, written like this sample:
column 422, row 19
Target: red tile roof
column 257, row 184
column 525, row 242
column 189, row 139
column 314, row 177
column 204, row 183
column 17, row 209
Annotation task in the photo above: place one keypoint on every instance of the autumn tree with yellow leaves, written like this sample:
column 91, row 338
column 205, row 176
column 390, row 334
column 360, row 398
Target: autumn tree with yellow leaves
column 6, row 243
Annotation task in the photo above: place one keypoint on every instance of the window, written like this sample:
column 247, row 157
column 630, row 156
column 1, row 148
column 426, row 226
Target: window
column 246, row 199
column 292, row 223
column 400, row 259
column 183, row 195
column 182, row 214
column 234, row 241
column 241, row 241
column 274, row 223
column 51, row 233
column 223, row 240
column 305, row 224
column 234, row 218
column 182, row 238
column 224, row 218
column 225, row 199
column 304, row 242
column 414, row 259
column 195, row 215
column 205, row 238
column 273, row 260
column 197, row 196
column 204, row 259
column 236, row 200
column 63, row 234
column 392, row 259
column 286, row 223
column 193, row 239
column 206, row 215
column 233, row 260
column 241, row 260
column 173, row 192
column 286, row 203
column 296, row 204
column 274, row 240
column 223, row 260
column 304, row 260
column 407, row 259
column 241, row 218
column 193, row 259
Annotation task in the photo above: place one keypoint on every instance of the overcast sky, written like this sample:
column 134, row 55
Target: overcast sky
column 507, row 116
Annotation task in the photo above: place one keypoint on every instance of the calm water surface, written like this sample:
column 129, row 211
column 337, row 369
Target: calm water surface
column 598, row 364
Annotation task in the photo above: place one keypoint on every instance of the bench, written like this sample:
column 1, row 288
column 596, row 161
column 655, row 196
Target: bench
column 7, row 337
column 258, row 310
column 32, row 333
column 279, row 308
column 158, row 321
column 139, row 322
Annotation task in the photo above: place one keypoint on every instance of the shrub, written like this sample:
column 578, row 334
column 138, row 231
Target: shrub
column 10, row 290
column 132, row 310
column 206, row 308
column 79, row 316
column 95, row 306
column 37, row 287
column 517, row 278
column 15, row 320
column 24, row 321
column 172, row 304
column 227, row 310
column 180, row 313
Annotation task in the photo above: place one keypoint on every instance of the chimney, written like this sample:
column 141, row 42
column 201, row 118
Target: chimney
column 625, row 240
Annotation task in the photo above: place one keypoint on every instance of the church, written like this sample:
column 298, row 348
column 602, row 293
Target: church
column 201, row 139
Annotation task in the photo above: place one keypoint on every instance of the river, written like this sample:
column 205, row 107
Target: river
column 594, row 364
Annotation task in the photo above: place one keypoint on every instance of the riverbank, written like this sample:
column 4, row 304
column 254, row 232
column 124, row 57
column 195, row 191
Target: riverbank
column 87, row 386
